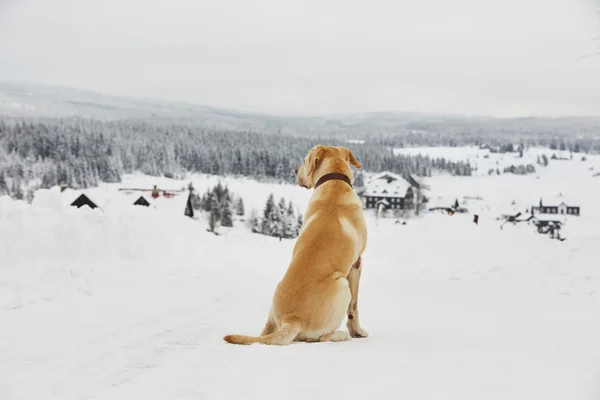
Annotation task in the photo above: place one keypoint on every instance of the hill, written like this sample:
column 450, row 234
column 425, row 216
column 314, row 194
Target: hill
column 29, row 100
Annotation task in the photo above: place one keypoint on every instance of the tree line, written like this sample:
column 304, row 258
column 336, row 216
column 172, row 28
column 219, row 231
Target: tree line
column 80, row 153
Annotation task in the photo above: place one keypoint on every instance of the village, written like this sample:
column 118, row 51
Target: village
column 386, row 195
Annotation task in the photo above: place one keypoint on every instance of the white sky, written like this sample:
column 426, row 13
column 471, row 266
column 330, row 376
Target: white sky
column 494, row 57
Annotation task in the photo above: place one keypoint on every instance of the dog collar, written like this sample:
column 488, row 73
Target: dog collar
column 332, row 176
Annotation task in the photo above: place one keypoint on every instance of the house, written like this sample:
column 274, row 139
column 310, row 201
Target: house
column 390, row 190
column 83, row 200
column 141, row 202
column 560, row 208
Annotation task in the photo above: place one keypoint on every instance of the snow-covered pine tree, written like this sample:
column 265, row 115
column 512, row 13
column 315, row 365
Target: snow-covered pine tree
column 195, row 197
column 215, row 208
column 254, row 223
column 29, row 195
column 226, row 215
column 281, row 218
column 16, row 190
column 267, row 220
column 3, row 185
column 196, row 201
column 239, row 208
column 280, row 173
column 289, row 221
column 207, row 200
column 238, row 165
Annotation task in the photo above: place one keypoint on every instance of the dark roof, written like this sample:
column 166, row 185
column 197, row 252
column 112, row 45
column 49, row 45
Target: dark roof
column 141, row 202
column 83, row 200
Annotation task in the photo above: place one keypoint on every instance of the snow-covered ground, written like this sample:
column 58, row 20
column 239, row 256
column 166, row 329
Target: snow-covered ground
column 483, row 160
column 132, row 302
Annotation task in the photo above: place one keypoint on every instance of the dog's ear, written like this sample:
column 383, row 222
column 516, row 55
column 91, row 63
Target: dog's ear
column 350, row 158
column 314, row 159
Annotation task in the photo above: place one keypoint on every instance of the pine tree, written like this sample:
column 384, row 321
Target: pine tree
column 227, row 215
column 280, row 222
column 267, row 220
column 3, row 185
column 16, row 190
column 207, row 201
column 196, row 201
column 215, row 209
column 30, row 195
column 288, row 229
column 280, row 173
column 212, row 221
column 239, row 208
column 254, row 223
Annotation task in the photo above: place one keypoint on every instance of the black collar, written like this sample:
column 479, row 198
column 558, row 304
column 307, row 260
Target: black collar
column 334, row 175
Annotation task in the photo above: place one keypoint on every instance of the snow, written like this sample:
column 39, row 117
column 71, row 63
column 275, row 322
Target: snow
column 379, row 186
column 483, row 160
column 131, row 302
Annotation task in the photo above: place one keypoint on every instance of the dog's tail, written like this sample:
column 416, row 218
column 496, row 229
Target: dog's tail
column 281, row 337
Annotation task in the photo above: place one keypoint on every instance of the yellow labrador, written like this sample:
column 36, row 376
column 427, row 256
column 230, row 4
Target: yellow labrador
column 320, row 286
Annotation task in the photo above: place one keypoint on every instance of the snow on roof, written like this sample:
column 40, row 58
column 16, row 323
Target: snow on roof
column 387, row 184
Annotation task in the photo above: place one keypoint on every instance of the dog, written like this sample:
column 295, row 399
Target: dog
column 320, row 286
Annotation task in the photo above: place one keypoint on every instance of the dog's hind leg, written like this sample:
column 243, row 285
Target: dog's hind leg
column 353, row 279
column 270, row 326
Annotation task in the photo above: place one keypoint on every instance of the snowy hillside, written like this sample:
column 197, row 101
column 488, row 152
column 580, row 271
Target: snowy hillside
column 482, row 160
column 28, row 100
column 130, row 302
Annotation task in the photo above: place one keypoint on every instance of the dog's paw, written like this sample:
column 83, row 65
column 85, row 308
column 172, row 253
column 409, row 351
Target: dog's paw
column 357, row 332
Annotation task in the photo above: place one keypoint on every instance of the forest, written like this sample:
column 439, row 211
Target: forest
column 82, row 152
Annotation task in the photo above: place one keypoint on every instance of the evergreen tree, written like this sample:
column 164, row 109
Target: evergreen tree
column 207, row 200
column 254, row 223
column 288, row 222
column 16, row 190
column 30, row 195
column 268, row 216
column 280, row 222
column 215, row 208
column 227, row 215
column 3, row 185
column 195, row 198
column 239, row 208
column 212, row 221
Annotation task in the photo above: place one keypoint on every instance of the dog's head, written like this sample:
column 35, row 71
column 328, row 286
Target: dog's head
column 325, row 159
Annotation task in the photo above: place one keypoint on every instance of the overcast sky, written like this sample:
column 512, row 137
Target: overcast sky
column 493, row 57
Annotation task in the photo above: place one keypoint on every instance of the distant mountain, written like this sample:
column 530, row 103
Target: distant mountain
column 28, row 100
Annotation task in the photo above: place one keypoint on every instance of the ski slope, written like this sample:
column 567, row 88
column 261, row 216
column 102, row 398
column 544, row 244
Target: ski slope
column 132, row 303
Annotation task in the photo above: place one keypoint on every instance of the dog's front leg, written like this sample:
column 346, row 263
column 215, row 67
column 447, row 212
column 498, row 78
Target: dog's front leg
column 353, row 279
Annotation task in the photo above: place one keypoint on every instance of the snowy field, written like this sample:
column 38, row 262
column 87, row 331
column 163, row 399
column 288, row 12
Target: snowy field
column 132, row 303
column 482, row 160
